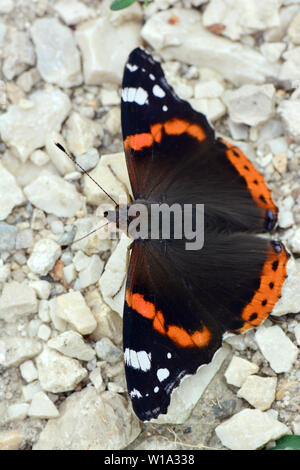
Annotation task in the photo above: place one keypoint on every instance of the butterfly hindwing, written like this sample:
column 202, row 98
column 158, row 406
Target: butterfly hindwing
column 179, row 304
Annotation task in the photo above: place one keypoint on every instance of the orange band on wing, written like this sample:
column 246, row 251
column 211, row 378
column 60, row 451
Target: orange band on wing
column 178, row 335
column 273, row 275
column 172, row 127
column 254, row 179
column 143, row 306
column 176, row 126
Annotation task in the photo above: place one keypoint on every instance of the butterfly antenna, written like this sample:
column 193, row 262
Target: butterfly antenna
column 84, row 171
column 85, row 236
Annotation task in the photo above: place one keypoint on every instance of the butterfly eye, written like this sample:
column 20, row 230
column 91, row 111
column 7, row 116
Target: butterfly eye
column 105, row 214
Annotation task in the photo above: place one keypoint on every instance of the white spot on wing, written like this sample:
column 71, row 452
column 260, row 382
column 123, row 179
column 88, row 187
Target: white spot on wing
column 135, row 393
column 132, row 67
column 165, row 108
column 156, row 389
column 162, row 374
column 141, row 96
column 138, row 360
column 158, row 91
column 144, row 360
column 136, row 95
column 169, row 355
column 151, row 76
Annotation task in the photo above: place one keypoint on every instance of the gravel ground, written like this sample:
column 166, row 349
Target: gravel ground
column 62, row 381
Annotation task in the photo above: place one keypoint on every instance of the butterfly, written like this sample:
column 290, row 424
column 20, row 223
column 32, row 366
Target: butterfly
column 180, row 302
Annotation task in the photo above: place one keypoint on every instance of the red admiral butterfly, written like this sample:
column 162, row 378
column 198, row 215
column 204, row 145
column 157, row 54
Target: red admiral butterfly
column 180, row 302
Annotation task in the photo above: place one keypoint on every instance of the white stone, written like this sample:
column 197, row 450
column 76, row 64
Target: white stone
column 39, row 157
column 109, row 97
column 30, row 390
column 109, row 323
column 72, row 344
column 17, row 300
column 72, row 308
column 17, row 411
column 43, row 257
column 58, row 373
column 18, row 126
column 80, row 260
column 112, row 120
column 107, row 351
column 60, row 160
column 277, row 348
column 294, row 241
column 42, row 407
column 58, row 59
column 11, row 440
column 17, row 350
column 213, row 108
column 112, row 174
column 6, row 6
column 44, row 311
column 273, row 50
column 8, row 234
column 285, row 218
column 98, row 240
column 105, row 48
column 91, row 274
column 4, row 272
column 57, row 227
column 112, row 281
column 10, row 193
column 259, row 391
column 250, row 104
column 289, row 70
column 59, row 323
column 238, row 131
column 81, row 133
column 88, row 159
column 294, row 29
column 69, row 273
column 240, row 17
column 133, row 12
column 44, row 332
column 18, row 53
column 28, row 371
column 278, row 145
column 185, row 397
column 72, row 11
column 239, row 370
column 54, row 195
column 188, row 41
column 210, row 89
column 3, row 32
column 42, row 288
column 28, row 79
column 33, row 327
column 108, row 181
column 290, row 112
column 297, row 333
column 89, row 420
column 250, row 430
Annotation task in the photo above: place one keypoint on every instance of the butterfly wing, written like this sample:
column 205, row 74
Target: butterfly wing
column 171, row 150
column 179, row 303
